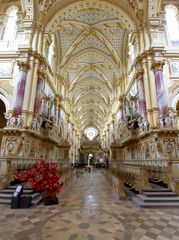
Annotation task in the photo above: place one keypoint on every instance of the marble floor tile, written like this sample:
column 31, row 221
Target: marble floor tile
column 89, row 209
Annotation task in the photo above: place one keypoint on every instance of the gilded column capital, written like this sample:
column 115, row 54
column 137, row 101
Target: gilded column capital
column 121, row 97
column 41, row 73
column 157, row 65
column 23, row 65
column 121, row 100
column 59, row 97
column 60, row 106
column 140, row 74
column 113, row 116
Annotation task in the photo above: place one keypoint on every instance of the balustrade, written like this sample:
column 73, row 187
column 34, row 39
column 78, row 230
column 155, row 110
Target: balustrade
column 134, row 177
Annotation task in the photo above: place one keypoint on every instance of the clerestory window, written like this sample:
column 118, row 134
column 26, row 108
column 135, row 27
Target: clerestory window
column 11, row 25
column 172, row 24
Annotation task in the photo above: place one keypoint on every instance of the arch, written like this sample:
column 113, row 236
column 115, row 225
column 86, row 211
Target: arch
column 177, row 118
column 177, row 106
column 174, row 98
column 62, row 134
column 2, row 112
column 105, row 57
column 119, row 9
column 171, row 13
column 11, row 25
column 11, row 5
column 89, row 96
column 5, row 98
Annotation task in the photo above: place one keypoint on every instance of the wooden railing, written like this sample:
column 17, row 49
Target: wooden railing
column 159, row 169
column 135, row 177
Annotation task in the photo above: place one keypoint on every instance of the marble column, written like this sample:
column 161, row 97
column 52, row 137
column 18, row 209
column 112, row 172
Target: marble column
column 40, row 41
column 45, row 48
column 38, row 97
column 23, row 68
column 162, row 98
column 108, row 136
column 33, row 89
column 142, row 101
column 113, row 129
column 121, row 110
column 58, row 110
column 44, row 107
column 67, row 129
column 52, row 112
column 59, row 116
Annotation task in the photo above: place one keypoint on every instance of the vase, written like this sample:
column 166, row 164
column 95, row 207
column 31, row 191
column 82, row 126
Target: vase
column 51, row 199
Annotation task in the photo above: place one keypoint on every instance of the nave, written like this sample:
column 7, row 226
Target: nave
column 89, row 210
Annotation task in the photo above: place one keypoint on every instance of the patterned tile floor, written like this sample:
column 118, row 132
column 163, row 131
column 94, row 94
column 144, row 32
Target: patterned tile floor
column 89, row 210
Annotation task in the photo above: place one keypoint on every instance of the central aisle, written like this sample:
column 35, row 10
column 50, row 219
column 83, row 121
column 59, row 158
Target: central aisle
column 88, row 212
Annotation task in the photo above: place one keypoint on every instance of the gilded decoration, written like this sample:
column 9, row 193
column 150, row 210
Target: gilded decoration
column 23, row 65
column 157, row 65
column 91, row 64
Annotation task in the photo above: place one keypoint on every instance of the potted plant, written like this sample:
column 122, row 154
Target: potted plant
column 43, row 176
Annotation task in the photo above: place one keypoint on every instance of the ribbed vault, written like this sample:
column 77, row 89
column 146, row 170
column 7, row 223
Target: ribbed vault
column 91, row 40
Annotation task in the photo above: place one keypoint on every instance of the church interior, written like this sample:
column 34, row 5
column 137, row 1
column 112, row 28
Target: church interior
column 93, row 87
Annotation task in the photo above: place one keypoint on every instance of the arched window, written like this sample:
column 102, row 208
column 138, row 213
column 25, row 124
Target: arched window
column 172, row 24
column 50, row 53
column 11, row 26
column 131, row 51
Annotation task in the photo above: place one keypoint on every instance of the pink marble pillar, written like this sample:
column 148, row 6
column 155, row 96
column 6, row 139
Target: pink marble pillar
column 38, row 97
column 162, row 98
column 142, row 101
column 23, row 68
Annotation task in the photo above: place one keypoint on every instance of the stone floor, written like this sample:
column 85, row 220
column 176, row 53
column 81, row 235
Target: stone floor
column 88, row 210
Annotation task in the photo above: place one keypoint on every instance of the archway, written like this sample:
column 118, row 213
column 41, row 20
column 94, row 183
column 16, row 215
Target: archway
column 2, row 112
column 2, row 118
column 177, row 110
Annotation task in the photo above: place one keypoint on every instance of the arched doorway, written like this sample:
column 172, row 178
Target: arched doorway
column 2, row 118
column 177, row 109
column 2, row 112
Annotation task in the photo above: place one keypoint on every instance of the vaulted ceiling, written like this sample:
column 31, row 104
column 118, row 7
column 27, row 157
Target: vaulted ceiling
column 91, row 45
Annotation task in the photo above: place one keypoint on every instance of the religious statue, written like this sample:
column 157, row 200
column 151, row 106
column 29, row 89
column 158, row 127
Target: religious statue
column 20, row 121
column 89, row 159
column 8, row 117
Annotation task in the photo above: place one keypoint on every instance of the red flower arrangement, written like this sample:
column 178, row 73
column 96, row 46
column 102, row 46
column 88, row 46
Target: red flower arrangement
column 43, row 176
